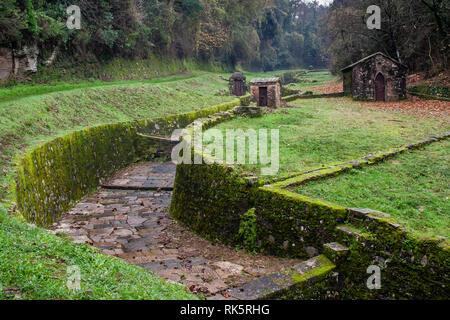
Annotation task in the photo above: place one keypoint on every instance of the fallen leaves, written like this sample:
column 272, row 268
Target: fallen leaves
column 333, row 86
column 414, row 105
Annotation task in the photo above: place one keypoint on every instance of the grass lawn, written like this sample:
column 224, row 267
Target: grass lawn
column 33, row 265
column 325, row 131
column 413, row 187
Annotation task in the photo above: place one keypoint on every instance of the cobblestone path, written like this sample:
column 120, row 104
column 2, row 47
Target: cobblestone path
column 128, row 218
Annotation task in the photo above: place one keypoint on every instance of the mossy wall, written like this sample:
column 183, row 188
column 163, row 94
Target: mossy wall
column 210, row 200
column 52, row 177
column 291, row 225
column 432, row 92
column 214, row 201
column 347, row 79
column 411, row 268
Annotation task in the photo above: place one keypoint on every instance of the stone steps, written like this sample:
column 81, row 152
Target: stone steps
column 347, row 233
column 374, row 221
column 336, row 252
column 280, row 283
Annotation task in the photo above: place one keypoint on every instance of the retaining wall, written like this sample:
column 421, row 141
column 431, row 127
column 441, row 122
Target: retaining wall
column 214, row 202
column 53, row 176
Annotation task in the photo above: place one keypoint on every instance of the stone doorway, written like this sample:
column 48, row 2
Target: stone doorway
column 262, row 97
column 380, row 88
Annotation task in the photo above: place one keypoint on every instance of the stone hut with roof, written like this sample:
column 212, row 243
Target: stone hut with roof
column 266, row 92
column 377, row 77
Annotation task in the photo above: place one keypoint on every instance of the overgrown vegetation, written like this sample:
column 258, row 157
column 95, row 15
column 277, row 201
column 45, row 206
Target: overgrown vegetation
column 412, row 187
column 253, row 33
column 248, row 231
column 413, row 32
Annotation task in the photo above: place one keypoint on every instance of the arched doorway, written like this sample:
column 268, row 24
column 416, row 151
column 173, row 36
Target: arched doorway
column 380, row 88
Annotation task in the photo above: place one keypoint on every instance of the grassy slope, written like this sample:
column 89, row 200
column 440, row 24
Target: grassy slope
column 33, row 265
column 33, row 261
column 325, row 131
column 413, row 187
column 20, row 91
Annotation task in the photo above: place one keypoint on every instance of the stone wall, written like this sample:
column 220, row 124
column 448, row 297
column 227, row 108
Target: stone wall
column 18, row 64
column 347, row 78
column 273, row 94
column 6, row 63
column 364, row 74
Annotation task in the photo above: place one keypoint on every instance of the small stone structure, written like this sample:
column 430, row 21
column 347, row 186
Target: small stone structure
column 266, row 92
column 375, row 78
column 18, row 64
column 238, row 85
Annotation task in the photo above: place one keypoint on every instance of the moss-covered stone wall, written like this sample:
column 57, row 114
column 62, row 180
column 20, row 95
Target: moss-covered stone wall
column 292, row 225
column 210, row 200
column 431, row 92
column 215, row 201
column 53, row 176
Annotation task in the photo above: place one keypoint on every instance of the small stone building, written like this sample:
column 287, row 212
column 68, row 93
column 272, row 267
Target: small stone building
column 238, row 85
column 266, row 92
column 375, row 78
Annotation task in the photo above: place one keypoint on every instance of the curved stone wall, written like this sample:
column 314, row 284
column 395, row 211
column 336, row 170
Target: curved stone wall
column 53, row 176
column 215, row 201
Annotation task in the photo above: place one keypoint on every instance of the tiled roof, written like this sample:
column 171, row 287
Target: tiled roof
column 371, row 56
column 265, row 80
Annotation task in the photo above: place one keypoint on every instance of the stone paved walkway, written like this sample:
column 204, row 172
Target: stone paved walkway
column 144, row 176
column 130, row 222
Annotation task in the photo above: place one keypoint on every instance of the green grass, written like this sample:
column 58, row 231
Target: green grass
column 33, row 265
column 319, row 76
column 413, row 187
column 325, row 131
column 20, row 91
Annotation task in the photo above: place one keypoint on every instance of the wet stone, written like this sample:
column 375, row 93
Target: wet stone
column 135, row 225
